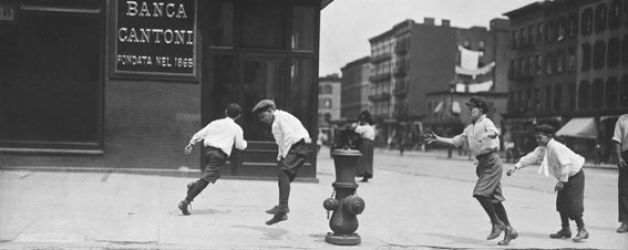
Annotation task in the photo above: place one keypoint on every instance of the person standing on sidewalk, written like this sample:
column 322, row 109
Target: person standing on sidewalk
column 566, row 166
column 291, row 138
column 620, row 138
column 366, row 130
column 219, row 137
column 482, row 138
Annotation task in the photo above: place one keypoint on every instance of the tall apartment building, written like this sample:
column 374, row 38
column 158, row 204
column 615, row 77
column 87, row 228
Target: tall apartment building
column 414, row 69
column 355, row 88
column 328, row 102
column 569, row 69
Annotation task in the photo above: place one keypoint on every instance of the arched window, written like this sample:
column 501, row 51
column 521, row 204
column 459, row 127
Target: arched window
column 327, row 103
column 327, row 89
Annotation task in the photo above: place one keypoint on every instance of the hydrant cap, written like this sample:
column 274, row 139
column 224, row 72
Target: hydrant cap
column 330, row 203
column 354, row 204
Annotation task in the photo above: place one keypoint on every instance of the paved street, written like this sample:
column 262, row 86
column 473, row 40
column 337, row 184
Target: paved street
column 416, row 201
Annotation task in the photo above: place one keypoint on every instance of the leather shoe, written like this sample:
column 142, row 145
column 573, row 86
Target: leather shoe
column 563, row 233
column 510, row 234
column 183, row 206
column 623, row 228
column 277, row 218
column 277, row 209
column 496, row 231
column 582, row 235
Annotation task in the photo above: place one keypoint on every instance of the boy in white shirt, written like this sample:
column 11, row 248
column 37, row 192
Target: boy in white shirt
column 291, row 138
column 219, row 137
column 566, row 166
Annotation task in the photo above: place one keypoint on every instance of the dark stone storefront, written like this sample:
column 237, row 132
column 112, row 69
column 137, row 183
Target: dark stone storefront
column 124, row 84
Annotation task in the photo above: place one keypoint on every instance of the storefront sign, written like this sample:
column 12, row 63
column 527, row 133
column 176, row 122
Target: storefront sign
column 155, row 38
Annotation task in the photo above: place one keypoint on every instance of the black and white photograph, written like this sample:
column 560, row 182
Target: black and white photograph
column 313, row 124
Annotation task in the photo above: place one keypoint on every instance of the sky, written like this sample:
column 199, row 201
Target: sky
column 346, row 25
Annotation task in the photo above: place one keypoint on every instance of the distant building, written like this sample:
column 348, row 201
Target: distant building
column 356, row 88
column 569, row 68
column 416, row 69
column 328, row 102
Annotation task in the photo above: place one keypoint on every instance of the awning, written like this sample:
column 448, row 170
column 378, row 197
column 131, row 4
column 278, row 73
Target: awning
column 579, row 128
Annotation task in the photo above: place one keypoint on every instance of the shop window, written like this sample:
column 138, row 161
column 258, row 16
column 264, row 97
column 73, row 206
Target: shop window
column 614, row 54
column 623, row 93
column 611, row 92
column 614, row 15
column 50, row 77
column 262, row 25
column 586, row 21
column 601, row 14
column 599, row 55
column 597, row 93
column 583, row 95
column 558, row 94
column 302, row 35
column 586, row 57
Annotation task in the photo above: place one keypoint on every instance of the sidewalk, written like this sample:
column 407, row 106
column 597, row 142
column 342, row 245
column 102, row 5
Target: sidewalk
column 70, row 210
column 442, row 154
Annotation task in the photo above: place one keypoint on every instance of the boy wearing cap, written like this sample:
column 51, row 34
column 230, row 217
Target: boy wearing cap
column 566, row 166
column 291, row 138
column 219, row 137
column 481, row 136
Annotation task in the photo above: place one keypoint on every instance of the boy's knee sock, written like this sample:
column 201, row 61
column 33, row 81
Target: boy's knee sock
column 196, row 189
column 501, row 212
column 489, row 209
column 284, row 189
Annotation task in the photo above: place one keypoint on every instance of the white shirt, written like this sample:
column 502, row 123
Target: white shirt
column 476, row 136
column 222, row 134
column 366, row 131
column 287, row 131
column 621, row 132
column 556, row 159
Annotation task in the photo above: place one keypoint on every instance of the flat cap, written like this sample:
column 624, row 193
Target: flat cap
column 478, row 102
column 263, row 105
column 545, row 128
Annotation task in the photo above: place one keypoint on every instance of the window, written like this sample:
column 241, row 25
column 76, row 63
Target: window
column 623, row 93
column 562, row 24
column 586, row 57
column 571, row 59
column 550, row 31
column 599, row 54
column 573, row 25
column 531, row 66
column 466, row 44
column 549, row 63
column 539, row 31
column 583, row 95
column 601, row 13
column 560, row 61
column 613, row 52
column 530, row 34
column 524, row 36
column 262, row 26
column 571, row 97
column 327, row 89
column 597, row 92
column 586, row 21
column 539, row 64
column 558, row 94
column 611, row 92
column 302, row 34
column 515, row 38
column 625, row 13
column 614, row 15
column 221, row 23
column 327, row 103
column 624, row 50
column 536, row 103
column 481, row 45
column 548, row 98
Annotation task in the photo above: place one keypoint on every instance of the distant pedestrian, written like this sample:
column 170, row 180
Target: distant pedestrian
column 481, row 136
column 219, row 137
column 620, row 138
column 566, row 166
column 366, row 129
column 291, row 138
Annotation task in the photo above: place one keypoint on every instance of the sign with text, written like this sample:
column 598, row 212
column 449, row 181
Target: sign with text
column 155, row 37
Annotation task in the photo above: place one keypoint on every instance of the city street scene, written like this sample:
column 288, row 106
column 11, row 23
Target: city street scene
column 314, row 124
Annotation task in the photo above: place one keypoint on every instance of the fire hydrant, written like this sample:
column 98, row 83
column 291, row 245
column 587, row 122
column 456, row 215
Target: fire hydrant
column 346, row 205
